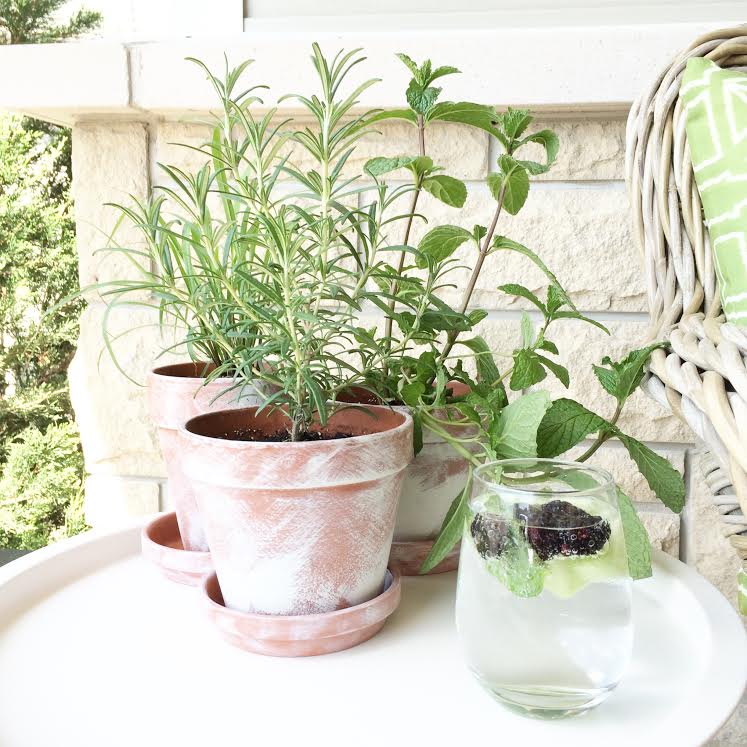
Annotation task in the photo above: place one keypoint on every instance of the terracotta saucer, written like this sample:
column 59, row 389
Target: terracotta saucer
column 302, row 635
column 408, row 557
column 163, row 546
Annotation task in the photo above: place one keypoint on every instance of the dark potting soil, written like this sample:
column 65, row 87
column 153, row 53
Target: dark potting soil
column 252, row 434
column 557, row 528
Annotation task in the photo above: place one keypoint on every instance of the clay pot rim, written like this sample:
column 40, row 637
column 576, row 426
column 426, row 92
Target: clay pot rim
column 163, row 372
column 312, row 620
column 184, row 566
column 184, row 432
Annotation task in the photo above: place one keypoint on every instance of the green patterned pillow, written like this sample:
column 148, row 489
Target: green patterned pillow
column 715, row 103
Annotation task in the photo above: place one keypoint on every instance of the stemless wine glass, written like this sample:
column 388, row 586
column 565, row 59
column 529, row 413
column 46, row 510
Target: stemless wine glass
column 543, row 603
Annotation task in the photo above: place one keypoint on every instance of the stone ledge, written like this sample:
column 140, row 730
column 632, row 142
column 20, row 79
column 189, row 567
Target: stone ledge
column 67, row 82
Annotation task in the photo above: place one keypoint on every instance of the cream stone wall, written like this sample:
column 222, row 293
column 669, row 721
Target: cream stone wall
column 577, row 218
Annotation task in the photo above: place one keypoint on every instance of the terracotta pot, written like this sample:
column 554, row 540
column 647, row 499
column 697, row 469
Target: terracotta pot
column 434, row 478
column 161, row 543
column 175, row 394
column 298, row 528
column 302, row 635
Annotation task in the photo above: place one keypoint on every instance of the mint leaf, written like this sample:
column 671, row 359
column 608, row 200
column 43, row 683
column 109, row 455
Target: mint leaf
column 487, row 371
column 560, row 372
column 441, row 242
column 515, row 567
column 515, row 121
column 515, row 432
column 465, row 112
column 380, row 165
column 439, row 72
column 421, row 99
column 637, row 544
column 549, row 141
column 514, row 289
column 527, row 330
column 623, row 378
column 451, row 529
column 411, row 393
column 577, row 315
column 448, row 190
column 512, row 181
column 421, row 166
column 406, row 114
column 528, row 370
column 412, row 66
column 557, row 297
column 661, row 477
column 566, row 424
column 417, row 431
column 550, row 346
column 503, row 242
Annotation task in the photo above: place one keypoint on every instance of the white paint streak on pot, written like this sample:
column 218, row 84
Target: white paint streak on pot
column 177, row 393
column 298, row 528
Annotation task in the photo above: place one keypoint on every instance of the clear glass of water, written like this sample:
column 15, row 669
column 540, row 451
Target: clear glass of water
column 543, row 602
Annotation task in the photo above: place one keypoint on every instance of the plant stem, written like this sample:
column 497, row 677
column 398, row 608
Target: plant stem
column 394, row 287
column 602, row 436
column 469, row 290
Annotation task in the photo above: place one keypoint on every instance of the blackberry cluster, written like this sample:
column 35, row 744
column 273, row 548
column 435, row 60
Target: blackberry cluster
column 556, row 528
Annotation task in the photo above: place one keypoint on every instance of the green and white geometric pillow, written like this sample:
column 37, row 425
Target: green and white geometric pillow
column 715, row 102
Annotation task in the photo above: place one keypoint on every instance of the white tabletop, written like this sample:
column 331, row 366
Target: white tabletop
column 96, row 648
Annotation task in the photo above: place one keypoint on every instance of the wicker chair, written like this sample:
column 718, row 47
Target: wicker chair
column 703, row 379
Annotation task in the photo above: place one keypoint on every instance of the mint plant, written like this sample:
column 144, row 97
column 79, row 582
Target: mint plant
column 426, row 339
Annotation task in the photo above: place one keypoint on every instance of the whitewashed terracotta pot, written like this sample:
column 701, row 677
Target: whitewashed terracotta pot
column 298, row 528
column 177, row 393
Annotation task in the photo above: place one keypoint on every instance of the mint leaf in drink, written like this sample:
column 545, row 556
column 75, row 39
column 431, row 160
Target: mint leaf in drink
column 637, row 544
column 507, row 554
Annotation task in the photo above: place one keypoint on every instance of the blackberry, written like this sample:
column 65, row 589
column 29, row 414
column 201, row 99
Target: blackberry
column 490, row 535
column 555, row 528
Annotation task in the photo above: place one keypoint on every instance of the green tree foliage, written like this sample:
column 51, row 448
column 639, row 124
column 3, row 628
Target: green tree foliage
column 41, row 465
column 36, row 21
column 41, row 488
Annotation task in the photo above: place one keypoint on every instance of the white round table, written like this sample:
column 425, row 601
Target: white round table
column 97, row 649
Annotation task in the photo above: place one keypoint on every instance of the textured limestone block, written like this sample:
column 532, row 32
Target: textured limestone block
column 582, row 234
column 110, row 164
column 111, row 501
column 663, row 530
column 590, row 149
column 111, row 410
column 706, row 546
column 176, row 144
column 582, row 345
column 461, row 151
